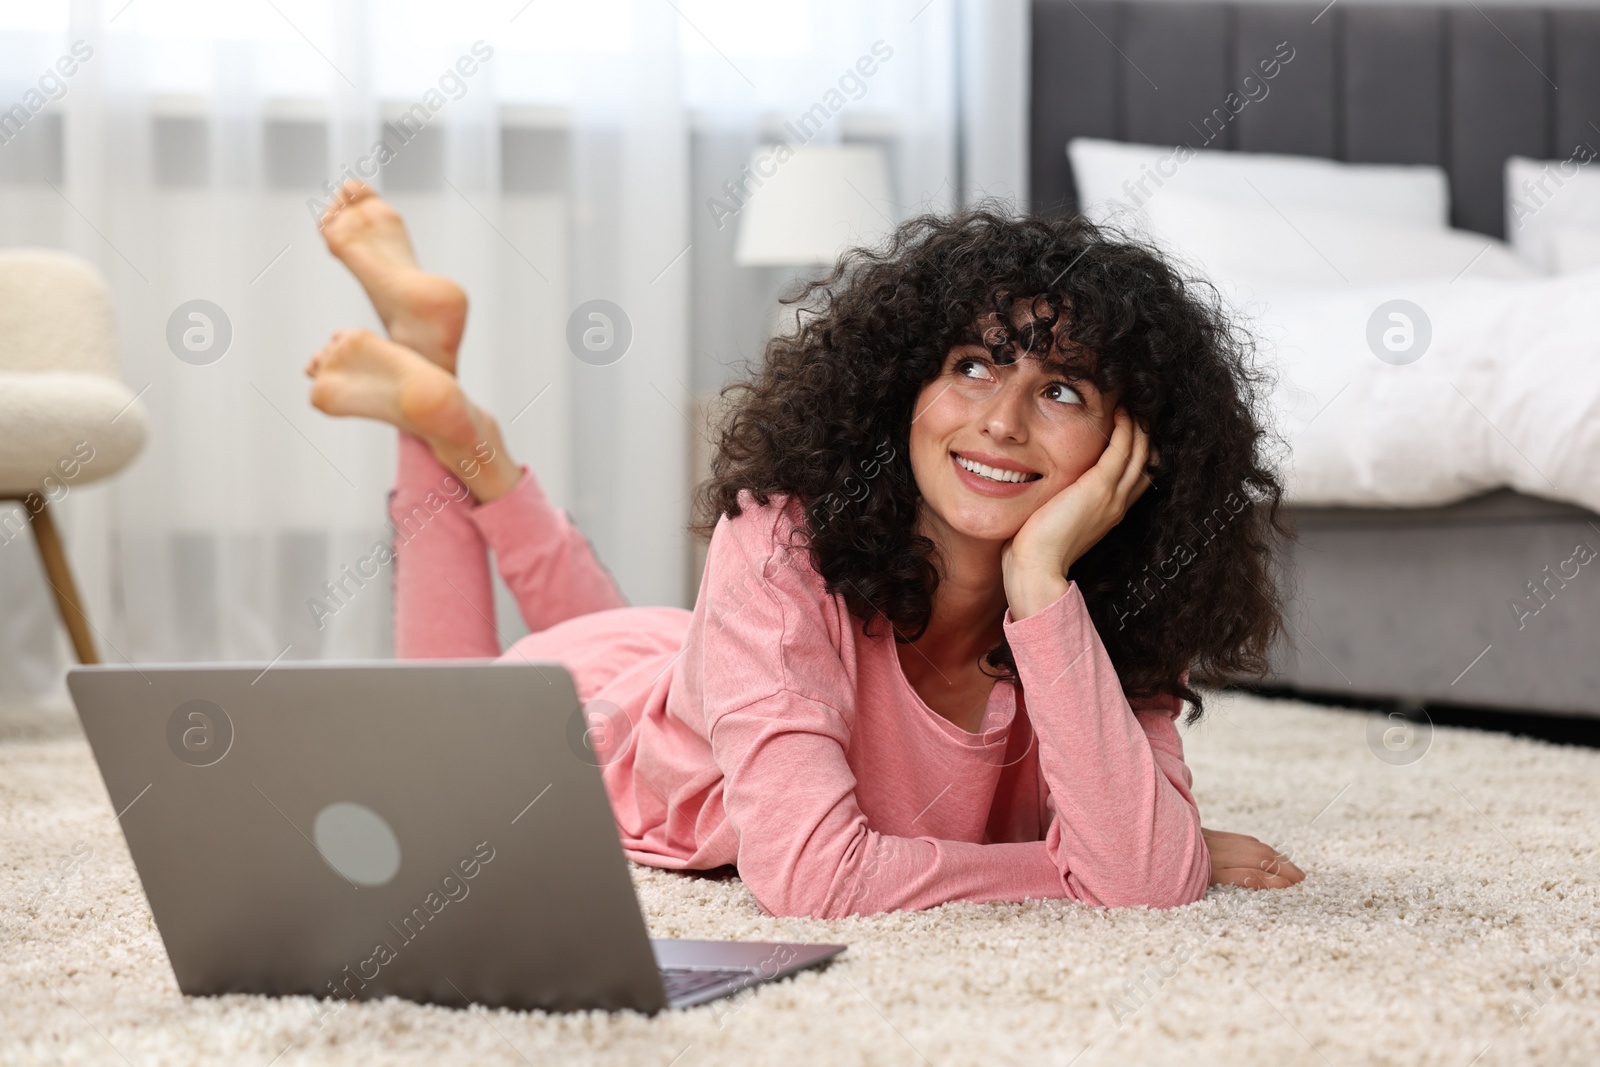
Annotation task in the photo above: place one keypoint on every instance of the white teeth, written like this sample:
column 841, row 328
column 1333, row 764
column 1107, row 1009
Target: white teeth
column 994, row 474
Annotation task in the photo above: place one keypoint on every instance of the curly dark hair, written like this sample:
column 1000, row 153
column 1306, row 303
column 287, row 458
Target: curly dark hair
column 840, row 386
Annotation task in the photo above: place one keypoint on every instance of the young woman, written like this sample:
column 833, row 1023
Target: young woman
column 947, row 620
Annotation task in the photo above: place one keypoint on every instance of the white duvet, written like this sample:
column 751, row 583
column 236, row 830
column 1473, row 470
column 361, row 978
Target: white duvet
column 1507, row 391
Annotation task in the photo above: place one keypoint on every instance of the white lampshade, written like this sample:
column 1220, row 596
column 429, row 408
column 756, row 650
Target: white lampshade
column 815, row 204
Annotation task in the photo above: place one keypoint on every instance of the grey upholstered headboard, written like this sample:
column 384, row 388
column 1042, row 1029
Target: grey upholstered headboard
column 1462, row 87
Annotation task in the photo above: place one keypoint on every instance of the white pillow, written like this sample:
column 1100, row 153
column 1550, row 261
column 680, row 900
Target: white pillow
column 1574, row 250
column 1137, row 173
column 1546, row 201
column 1266, row 247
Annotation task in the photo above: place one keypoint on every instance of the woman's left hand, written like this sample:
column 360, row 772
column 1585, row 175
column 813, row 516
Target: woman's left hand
column 1239, row 859
column 1071, row 522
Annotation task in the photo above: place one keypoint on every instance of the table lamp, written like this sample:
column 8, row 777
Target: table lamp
column 811, row 204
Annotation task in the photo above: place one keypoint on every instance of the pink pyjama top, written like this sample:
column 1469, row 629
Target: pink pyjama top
column 765, row 729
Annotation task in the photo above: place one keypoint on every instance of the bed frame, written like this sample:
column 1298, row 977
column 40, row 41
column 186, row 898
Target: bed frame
column 1482, row 603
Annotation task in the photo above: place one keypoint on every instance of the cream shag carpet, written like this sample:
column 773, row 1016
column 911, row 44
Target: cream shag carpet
column 1449, row 917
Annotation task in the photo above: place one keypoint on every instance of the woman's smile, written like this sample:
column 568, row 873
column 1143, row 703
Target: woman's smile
column 992, row 478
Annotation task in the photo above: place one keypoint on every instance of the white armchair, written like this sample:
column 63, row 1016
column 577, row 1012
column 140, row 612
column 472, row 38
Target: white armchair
column 65, row 417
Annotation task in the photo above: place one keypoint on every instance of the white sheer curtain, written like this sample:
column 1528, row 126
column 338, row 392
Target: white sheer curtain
column 565, row 154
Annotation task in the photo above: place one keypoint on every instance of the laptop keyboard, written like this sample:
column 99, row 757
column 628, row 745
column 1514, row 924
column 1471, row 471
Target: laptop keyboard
column 684, row 981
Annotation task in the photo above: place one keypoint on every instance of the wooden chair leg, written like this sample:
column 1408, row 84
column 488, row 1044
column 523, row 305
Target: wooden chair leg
column 59, row 575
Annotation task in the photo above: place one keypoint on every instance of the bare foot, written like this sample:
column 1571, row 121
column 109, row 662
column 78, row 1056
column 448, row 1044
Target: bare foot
column 425, row 312
column 359, row 373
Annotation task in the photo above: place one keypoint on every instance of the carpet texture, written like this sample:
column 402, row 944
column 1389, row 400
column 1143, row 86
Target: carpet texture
column 1449, row 916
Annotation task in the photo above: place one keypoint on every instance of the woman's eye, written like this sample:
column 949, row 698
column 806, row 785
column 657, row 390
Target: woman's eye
column 969, row 362
column 1063, row 392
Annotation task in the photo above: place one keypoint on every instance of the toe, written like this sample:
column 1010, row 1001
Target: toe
column 351, row 191
column 339, row 348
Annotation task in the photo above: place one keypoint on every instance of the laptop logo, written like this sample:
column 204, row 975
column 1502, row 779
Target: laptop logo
column 357, row 842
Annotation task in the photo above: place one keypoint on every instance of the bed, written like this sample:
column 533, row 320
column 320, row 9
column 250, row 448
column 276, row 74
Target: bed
column 1477, row 602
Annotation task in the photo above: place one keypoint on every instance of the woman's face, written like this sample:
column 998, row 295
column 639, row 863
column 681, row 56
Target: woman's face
column 1017, row 416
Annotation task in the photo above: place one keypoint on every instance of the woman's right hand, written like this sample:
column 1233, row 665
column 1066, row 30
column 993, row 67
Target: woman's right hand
column 1239, row 859
column 1035, row 561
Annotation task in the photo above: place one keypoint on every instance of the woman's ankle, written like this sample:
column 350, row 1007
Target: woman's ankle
column 489, row 479
column 484, row 467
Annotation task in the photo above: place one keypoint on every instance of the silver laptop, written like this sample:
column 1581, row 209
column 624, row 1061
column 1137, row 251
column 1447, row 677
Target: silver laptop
column 433, row 830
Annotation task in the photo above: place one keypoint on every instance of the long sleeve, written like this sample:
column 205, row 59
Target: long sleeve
column 780, row 705
column 1124, row 826
column 804, row 844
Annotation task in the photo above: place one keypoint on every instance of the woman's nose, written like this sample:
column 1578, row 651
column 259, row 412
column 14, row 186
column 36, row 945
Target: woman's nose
column 1004, row 413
